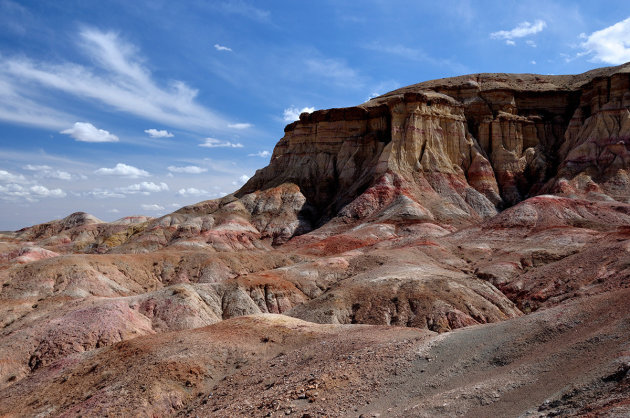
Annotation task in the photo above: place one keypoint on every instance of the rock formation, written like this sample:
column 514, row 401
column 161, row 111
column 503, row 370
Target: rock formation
column 465, row 146
column 458, row 246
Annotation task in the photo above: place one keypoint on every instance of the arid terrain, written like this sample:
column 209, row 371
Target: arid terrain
column 458, row 247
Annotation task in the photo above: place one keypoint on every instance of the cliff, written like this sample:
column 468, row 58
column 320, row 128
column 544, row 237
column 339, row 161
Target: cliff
column 460, row 148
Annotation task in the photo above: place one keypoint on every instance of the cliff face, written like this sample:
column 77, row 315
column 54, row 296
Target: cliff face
column 415, row 145
column 460, row 149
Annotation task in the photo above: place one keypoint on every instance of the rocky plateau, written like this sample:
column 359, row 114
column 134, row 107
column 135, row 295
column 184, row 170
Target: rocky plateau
column 458, row 247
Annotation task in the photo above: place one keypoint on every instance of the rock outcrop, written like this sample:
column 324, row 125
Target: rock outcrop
column 461, row 148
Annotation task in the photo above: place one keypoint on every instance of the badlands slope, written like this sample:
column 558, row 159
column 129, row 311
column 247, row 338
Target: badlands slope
column 456, row 247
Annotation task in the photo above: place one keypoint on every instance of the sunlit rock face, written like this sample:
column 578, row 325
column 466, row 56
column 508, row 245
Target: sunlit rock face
column 415, row 145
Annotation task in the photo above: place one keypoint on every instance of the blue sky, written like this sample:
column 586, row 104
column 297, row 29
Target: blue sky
column 119, row 108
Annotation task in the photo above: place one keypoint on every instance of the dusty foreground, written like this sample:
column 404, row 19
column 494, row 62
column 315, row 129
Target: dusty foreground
column 460, row 247
column 573, row 359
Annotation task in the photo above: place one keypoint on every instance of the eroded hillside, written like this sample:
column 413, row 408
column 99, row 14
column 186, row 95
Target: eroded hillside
column 456, row 247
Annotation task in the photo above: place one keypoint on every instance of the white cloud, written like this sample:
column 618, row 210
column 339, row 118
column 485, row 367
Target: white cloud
column 100, row 193
column 123, row 170
column 510, row 42
column 521, row 30
column 293, row 113
column 41, row 191
column 33, row 193
column 45, row 171
column 152, row 207
column 17, row 187
column 261, row 154
column 113, row 210
column 190, row 169
column 32, row 167
column 117, row 79
column 8, row 177
column 57, row 174
column 241, row 180
column 154, row 133
column 191, row 191
column 13, row 191
column 610, row 45
column 533, row 62
column 145, row 187
column 531, row 43
column 86, row 132
column 240, row 125
column 222, row 48
column 215, row 143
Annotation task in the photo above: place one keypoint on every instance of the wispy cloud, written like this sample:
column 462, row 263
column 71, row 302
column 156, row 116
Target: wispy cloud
column 152, row 207
column 155, row 133
column 122, row 170
column 521, row 30
column 337, row 71
column 192, row 191
column 41, row 157
column 45, row 171
column 241, row 8
column 215, row 143
column 399, row 50
column 86, row 132
column 240, row 125
column 610, row 45
column 222, row 48
column 13, row 16
column 190, row 169
column 414, row 54
column 118, row 80
column 261, row 154
column 292, row 113
column 19, row 105
column 100, row 193
column 32, row 167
